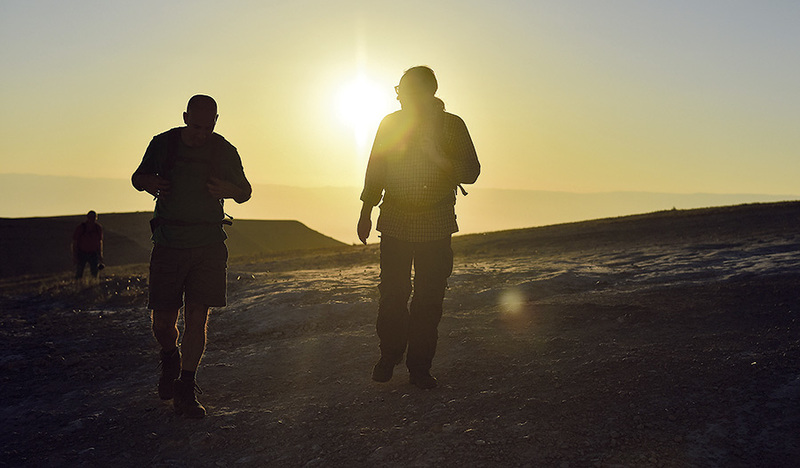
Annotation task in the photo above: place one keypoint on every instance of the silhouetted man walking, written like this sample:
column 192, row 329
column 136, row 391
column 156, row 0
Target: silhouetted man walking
column 190, row 170
column 87, row 246
column 420, row 156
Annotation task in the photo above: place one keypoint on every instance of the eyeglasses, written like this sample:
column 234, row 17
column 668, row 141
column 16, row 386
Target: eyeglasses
column 407, row 90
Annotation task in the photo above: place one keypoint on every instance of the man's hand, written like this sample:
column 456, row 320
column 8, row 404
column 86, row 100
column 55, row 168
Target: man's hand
column 364, row 227
column 364, row 223
column 219, row 188
column 153, row 184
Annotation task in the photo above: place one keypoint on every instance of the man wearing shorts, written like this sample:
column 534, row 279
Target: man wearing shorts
column 189, row 170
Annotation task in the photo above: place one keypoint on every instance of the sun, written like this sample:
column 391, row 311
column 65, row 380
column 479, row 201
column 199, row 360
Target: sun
column 361, row 105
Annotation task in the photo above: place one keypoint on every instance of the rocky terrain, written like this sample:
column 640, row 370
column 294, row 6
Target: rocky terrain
column 662, row 340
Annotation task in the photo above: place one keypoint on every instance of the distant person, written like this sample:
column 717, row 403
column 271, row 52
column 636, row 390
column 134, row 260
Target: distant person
column 420, row 156
column 189, row 170
column 87, row 246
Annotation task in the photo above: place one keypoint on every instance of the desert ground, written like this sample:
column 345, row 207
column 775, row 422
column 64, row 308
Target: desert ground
column 669, row 339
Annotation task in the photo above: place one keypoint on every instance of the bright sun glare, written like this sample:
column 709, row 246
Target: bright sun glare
column 361, row 106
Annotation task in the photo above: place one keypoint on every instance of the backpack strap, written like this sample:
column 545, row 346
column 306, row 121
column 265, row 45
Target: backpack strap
column 173, row 150
column 173, row 146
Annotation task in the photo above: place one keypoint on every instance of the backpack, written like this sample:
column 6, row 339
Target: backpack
column 173, row 147
column 215, row 168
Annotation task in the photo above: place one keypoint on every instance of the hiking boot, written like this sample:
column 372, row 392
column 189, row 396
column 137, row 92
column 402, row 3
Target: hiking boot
column 185, row 402
column 170, row 364
column 383, row 370
column 423, row 380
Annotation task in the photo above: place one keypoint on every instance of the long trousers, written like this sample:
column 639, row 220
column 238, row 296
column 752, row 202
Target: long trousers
column 92, row 258
column 416, row 329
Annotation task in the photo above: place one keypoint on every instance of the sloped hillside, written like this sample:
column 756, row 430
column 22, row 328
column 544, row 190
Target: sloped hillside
column 42, row 245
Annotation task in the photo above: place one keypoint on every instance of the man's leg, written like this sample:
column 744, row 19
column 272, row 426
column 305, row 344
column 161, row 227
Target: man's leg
column 433, row 264
column 165, row 327
column 395, row 289
column 94, row 262
column 165, row 330
column 80, row 266
column 193, row 346
column 205, row 287
column 195, row 317
column 165, row 299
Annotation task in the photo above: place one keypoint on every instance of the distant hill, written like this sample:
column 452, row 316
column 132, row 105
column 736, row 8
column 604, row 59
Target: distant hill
column 333, row 211
column 705, row 228
column 42, row 245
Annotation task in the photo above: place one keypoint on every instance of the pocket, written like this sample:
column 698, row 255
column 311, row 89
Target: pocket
column 163, row 265
column 219, row 254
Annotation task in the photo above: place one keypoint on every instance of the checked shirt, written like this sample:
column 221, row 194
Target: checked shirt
column 418, row 195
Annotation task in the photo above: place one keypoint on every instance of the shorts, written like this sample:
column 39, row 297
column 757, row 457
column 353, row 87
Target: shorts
column 197, row 275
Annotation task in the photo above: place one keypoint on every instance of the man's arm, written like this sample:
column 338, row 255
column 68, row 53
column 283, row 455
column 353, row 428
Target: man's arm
column 153, row 184
column 374, row 182
column 240, row 192
column 466, row 167
column 145, row 177
column 458, row 161
column 229, row 181
column 101, row 242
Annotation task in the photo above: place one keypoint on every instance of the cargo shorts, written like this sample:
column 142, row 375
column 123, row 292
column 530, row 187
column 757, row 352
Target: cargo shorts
column 197, row 275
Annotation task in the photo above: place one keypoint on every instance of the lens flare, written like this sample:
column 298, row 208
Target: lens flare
column 512, row 301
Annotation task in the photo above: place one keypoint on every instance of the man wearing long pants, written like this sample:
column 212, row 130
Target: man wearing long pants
column 420, row 156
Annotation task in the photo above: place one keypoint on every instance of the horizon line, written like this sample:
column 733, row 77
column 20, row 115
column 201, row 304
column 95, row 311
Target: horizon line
column 473, row 186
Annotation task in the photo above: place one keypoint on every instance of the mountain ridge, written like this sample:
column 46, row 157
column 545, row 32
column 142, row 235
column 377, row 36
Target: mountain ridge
column 334, row 210
column 42, row 245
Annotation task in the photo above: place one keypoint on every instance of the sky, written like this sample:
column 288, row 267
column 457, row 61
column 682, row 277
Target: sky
column 580, row 96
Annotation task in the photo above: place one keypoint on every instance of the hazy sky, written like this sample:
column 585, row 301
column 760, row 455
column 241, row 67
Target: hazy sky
column 671, row 96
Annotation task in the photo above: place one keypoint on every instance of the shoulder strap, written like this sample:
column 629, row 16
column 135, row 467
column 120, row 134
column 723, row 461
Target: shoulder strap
column 173, row 145
column 216, row 156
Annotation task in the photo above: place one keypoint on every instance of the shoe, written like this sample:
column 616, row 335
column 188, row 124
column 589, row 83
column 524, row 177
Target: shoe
column 383, row 370
column 170, row 365
column 423, row 380
column 185, row 401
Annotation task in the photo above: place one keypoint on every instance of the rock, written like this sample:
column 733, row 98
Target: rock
column 381, row 453
column 315, row 462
